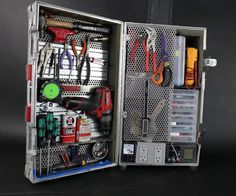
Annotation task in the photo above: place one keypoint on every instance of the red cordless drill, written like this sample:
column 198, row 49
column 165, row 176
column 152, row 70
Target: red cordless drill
column 100, row 105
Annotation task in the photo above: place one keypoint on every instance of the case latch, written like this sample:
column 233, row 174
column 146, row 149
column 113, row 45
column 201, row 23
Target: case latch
column 210, row 62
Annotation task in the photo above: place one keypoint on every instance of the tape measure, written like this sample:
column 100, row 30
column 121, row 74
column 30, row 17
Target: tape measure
column 50, row 91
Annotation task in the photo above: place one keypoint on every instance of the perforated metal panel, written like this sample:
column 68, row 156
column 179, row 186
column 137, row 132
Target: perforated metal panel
column 55, row 159
column 135, row 85
column 98, row 76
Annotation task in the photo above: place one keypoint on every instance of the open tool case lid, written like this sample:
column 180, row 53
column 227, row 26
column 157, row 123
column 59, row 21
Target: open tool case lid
column 125, row 78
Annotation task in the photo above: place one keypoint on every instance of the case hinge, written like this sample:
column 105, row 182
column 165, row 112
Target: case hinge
column 28, row 114
column 128, row 37
column 124, row 114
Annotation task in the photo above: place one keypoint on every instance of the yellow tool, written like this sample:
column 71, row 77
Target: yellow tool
column 191, row 68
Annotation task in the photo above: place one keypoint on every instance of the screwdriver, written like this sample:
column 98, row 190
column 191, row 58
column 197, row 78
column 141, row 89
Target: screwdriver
column 41, row 127
column 55, row 131
column 49, row 124
column 145, row 120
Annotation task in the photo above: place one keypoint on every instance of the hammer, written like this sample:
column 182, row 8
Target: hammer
column 45, row 22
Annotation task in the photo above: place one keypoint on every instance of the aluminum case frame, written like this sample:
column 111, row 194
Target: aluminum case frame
column 119, row 56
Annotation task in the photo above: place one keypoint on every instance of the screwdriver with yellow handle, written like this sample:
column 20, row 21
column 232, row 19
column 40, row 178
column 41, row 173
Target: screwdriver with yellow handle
column 191, row 68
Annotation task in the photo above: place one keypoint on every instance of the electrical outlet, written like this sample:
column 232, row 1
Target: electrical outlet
column 159, row 153
column 143, row 153
column 151, row 153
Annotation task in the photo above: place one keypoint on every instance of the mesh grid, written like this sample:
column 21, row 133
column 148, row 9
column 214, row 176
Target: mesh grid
column 135, row 85
column 55, row 152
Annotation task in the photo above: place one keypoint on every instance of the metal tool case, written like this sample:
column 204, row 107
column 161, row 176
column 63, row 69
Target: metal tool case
column 174, row 131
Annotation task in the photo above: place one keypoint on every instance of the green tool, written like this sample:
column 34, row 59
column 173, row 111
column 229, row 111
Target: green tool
column 49, row 124
column 55, row 132
column 49, row 133
column 41, row 127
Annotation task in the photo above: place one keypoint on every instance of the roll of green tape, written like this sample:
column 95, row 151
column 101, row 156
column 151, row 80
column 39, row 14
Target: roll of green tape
column 50, row 90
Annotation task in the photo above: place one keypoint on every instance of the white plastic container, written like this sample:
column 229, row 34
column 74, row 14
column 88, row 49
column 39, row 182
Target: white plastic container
column 179, row 66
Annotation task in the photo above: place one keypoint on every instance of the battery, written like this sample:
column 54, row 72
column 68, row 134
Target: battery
column 68, row 129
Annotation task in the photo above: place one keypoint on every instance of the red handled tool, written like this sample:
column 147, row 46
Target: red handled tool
column 138, row 41
column 100, row 106
column 60, row 34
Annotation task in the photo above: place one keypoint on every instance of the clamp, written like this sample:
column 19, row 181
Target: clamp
column 163, row 74
column 45, row 55
column 66, row 53
column 151, row 40
column 85, row 57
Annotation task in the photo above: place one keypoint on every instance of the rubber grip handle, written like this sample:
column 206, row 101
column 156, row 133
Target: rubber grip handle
column 157, row 78
column 82, row 52
column 133, row 51
column 70, row 59
column 55, row 23
column 154, row 58
column 147, row 61
column 92, row 28
column 73, row 44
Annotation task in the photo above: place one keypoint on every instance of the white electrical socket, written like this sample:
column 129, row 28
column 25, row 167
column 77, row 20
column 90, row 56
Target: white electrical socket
column 143, row 153
column 151, row 153
column 158, row 154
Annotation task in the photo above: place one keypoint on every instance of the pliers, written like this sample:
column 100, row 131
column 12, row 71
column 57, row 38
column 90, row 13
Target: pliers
column 85, row 57
column 66, row 53
column 151, row 39
column 78, row 56
column 163, row 75
column 138, row 41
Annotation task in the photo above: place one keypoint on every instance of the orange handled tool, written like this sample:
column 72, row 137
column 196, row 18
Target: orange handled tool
column 163, row 75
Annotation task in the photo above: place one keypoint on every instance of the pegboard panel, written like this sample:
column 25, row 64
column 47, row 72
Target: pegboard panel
column 99, row 72
column 135, row 85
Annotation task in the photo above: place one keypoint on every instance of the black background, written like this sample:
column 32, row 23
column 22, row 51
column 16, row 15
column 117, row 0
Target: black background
column 215, row 175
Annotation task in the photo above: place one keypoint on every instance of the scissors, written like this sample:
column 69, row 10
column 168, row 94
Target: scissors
column 163, row 74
